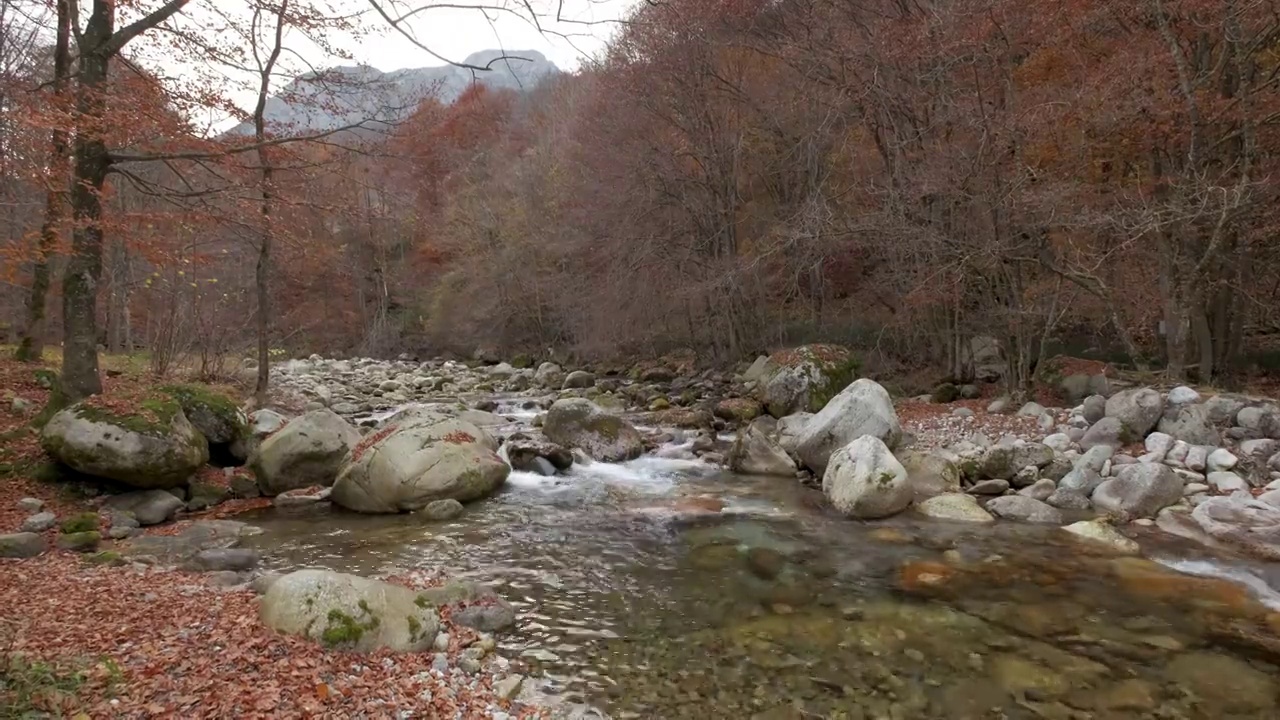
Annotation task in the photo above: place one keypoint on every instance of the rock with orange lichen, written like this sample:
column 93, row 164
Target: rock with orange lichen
column 405, row 467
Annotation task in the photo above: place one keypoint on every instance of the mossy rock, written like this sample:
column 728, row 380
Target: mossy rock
column 215, row 415
column 582, row 424
column 154, row 446
column 80, row 541
column 805, row 378
column 83, row 522
column 202, row 496
column 521, row 362
column 105, row 557
column 946, row 393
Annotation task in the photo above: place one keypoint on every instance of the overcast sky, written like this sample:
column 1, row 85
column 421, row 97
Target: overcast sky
column 583, row 29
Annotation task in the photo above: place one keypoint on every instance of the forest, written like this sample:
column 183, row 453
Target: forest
column 728, row 176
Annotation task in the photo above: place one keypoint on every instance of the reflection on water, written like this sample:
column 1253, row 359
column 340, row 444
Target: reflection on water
column 639, row 601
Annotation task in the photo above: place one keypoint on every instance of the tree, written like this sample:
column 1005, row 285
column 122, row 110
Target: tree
column 31, row 345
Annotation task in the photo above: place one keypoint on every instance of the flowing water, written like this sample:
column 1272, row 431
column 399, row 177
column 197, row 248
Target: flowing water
column 637, row 597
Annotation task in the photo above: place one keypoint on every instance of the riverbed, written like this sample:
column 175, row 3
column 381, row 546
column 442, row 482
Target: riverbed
column 667, row 588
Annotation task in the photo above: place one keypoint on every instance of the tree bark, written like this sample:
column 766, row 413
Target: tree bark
column 31, row 344
column 263, row 270
column 80, row 282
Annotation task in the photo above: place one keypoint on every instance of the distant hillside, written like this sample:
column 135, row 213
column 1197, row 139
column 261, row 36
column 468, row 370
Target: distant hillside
column 350, row 94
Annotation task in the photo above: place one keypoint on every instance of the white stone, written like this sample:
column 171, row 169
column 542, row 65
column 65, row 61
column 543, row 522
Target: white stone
column 1182, row 395
column 1194, row 489
column 1197, row 456
column 1159, row 444
column 1221, row 459
column 1227, row 482
column 1059, row 442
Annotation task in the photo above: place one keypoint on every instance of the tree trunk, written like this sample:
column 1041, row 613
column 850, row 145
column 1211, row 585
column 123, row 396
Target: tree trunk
column 80, row 376
column 263, row 270
column 31, row 345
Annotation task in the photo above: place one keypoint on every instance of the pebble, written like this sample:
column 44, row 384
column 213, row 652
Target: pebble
column 441, row 643
column 31, row 505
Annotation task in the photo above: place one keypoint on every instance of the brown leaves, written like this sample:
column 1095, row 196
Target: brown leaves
column 184, row 649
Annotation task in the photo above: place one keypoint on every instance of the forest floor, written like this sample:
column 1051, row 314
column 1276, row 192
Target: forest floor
column 80, row 639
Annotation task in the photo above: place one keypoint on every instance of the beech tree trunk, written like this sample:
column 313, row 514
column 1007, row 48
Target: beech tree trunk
column 31, row 344
column 80, row 377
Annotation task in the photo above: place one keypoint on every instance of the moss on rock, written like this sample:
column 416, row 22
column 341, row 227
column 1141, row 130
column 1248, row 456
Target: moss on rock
column 83, row 522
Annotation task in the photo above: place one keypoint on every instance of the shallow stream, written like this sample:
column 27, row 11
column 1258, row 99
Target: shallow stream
column 638, row 596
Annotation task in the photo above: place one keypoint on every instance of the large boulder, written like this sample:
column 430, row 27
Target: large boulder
column 1191, row 424
column 549, row 375
column 791, row 430
column 307, row 451
column 350, row 612
column 580, row 423
column 152, row 445
column 1236, row 523
column 803, row 379
column 755, row 452
column 404, row 467
column 864, row 480
column 1140, row 490
column 215, row 415
column 863, row 408
column 1139, row 409
column 1109, row 432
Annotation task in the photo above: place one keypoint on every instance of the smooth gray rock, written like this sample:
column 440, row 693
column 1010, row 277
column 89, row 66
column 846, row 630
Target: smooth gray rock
column 1140, row 491
column 1024, row 509
column 1139, row 409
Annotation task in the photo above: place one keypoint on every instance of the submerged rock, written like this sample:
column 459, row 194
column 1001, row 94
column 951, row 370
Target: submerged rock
column 959, row 507
column 1024, row 509
column 864, row 480
column 349, row 612
column 471, row 605
column 1103, row 534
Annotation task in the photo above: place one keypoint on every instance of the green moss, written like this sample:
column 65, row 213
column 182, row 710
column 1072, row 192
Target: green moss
column 344, row 630
column 839, row 373
column 945, row 393
column 521, row 362
column 415, row 628
column 195, row 399
column 84, row 522
column 106, row 557
column 154, row 416
column 81, row 541
column 57, row 402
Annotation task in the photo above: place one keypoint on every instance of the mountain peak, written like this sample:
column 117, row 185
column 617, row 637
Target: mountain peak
column 349, row 94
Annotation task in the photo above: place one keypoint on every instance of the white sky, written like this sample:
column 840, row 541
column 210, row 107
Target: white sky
column 454, row 33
